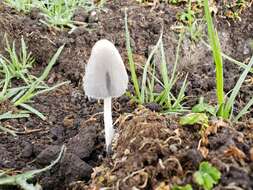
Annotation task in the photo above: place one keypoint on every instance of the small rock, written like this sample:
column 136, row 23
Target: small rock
column 238, row 176
column 76, row 96
column 154, row 106
column 57, row 132
column 191, row 158
column 246, row 49
column 83, row 143
column 68, row 121
column 27, row 151
column 173, row 148
column 80, row 15
column 48, row 155
column 73, row 168
column 93, row 17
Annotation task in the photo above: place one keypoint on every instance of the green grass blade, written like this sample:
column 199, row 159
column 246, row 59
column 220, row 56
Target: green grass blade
column 24, row 52
column 232, row 60
column 18, row 95
column 131, row 61
column 34, row 111
column 244, row 110
column 10, row 115
column 169, row 85
column 30, row 93
column 181, row 95
column 165, row 78
column 146, row 66
column 181, row 36
column 51, row 88
column 14, row 91
column 230, row 103
column 215, row 44
column 151, row 84
column 6, row 80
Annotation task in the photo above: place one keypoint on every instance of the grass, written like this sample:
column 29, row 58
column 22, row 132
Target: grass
column 57, row 13
column 16, row 67
column 225, row 108
column 20, row 5
column 228, row 108
column 145, row 91
column 215, row 45
column 131, row 62
column 232, row 60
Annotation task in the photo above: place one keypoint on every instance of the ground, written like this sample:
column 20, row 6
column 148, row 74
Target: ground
column 151, row 150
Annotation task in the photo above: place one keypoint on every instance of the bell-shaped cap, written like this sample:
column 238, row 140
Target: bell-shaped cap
column 105, row 74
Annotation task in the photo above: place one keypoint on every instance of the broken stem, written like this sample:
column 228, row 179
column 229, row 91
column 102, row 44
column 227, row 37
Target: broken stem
column 109, row 131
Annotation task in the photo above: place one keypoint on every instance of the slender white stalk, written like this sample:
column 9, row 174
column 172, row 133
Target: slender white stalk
column 109, row 131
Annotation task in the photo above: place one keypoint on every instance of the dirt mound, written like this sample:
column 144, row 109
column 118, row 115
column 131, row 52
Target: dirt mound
column 154, row 151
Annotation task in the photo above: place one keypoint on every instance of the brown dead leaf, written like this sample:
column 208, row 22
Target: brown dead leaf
column 211, row 129
column 235, row 152
column 204, row 151
column 204, row 139
column 68, row 121
column 220, row 123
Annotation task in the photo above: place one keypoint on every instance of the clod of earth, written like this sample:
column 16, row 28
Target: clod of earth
column 142, row 154
column 105, row 77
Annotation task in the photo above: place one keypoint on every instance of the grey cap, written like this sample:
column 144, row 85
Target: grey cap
column 105, row 74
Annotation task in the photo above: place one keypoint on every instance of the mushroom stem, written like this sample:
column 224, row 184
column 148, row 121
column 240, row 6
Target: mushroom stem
column 109, row 130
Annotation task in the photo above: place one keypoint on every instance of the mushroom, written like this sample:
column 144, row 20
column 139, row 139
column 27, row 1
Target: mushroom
column 105, row 78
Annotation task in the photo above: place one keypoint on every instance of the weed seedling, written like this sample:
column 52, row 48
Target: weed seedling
column 20, row 5
column 203, row 107
column 207, row 176
column 196, row 118
column 188, row 16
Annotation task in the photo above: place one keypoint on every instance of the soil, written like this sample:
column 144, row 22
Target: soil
column 151, row 150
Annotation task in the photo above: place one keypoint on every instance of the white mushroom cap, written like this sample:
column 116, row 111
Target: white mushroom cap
column 105, row 75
